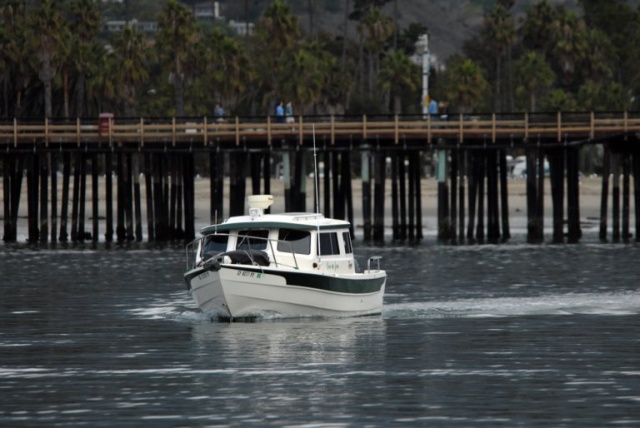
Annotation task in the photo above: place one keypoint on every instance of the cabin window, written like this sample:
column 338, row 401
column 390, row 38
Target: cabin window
column 329, row 244
column 214, row 244
column 252, row 240
column 294, row 241
column 346, row 237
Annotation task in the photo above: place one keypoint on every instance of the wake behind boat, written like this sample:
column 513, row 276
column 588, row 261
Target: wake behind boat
column 292, row 264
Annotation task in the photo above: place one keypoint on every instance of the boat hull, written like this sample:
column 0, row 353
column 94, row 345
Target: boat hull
column 233, row 291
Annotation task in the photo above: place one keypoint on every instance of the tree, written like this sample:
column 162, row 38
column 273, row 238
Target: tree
column 398, row 73
column 409, row 36
column 599, row 61
column 47, row 32
column 619, row 22
column 377, row 28
column 226, row 70
column 102, row 87
column 85, row 25
column 536, row 26
column 559, row 100
column 277, row 35
column 465, row 84
column 14, row 56
column 603, row 97
column 129, row 64
column 177, row 38
column 569, row 45
column 534, row 77
column 499, row 31
column 65, row 59
column 305, row 74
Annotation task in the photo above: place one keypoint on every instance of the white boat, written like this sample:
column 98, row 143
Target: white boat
column 291, row 264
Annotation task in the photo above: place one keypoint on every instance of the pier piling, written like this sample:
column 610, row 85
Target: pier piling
column 470, row 159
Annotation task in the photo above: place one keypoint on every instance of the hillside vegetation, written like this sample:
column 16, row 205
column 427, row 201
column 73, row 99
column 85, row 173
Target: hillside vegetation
column 494, row 56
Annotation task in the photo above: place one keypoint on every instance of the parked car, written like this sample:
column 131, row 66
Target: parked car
column 520, row 168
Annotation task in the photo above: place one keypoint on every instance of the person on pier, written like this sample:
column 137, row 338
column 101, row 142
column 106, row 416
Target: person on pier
column 433, row 109
column 288, row 112
column 280, row 113
column 219, row 113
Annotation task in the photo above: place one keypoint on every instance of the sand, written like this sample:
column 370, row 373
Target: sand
column 590, row 190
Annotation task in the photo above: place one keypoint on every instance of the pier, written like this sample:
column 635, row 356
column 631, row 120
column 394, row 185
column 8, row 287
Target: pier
column 124, row 179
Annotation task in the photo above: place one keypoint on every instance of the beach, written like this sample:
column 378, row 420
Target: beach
column 590, row 200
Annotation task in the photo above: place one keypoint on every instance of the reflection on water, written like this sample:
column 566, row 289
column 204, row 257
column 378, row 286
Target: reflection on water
column 469, row 336
column 335, row 341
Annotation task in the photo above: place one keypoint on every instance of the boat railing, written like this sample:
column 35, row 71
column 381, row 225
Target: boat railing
column 246, row 239
column 191, row 256
column 195, row 256
column 374, row 259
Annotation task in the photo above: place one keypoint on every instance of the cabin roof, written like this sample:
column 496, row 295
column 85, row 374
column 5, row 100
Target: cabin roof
column 297, row 221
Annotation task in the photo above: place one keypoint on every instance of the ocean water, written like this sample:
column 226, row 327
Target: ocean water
column 509, row 335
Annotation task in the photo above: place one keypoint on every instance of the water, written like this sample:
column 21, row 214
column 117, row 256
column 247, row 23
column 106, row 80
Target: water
column 511, row 335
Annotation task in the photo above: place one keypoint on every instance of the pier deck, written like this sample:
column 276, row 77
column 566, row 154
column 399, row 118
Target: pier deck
column 128, row 161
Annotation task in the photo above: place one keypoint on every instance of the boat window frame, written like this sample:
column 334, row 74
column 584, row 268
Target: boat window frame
column 213, row 237
column 245, row 237
column 347, row 243
column 283, row 242
column 334, row 243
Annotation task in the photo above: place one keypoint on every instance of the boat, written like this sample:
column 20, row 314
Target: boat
column 290, row 264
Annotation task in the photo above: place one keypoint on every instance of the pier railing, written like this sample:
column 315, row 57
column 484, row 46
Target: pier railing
column 174, row 131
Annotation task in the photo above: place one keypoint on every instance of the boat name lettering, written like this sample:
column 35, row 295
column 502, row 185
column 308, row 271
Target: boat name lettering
column 247, row 274
column 203, row 275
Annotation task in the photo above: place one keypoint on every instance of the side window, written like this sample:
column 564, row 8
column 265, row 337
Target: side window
column 214, row 244
column 252, row 240
column 346, row 237
column 294, row 241
column 329, row 244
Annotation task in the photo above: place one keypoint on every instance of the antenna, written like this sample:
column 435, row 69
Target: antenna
column 315, row 176
column 315, row 166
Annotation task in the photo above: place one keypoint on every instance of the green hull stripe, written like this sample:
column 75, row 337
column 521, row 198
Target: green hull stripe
column 195, row 272
column 322, row 282
column 228, row 227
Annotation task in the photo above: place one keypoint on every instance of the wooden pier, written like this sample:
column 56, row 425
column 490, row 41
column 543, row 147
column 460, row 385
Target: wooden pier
column 155, row 161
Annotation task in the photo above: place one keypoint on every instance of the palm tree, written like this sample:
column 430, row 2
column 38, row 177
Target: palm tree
column 465, row 84
column 14, row 54
column 102, row 88
column 534, row 76
column 177, row 39
column 620, row 22
column 86, row 23
column 129, row 64
column 569, row 45
column 377, row 28
column 559, row 100
column 397, row 74
column 64, row 54
column 305, row 74
column 536, row 26
column 599, row 57
column 226, row 69
column 277, row 35
column 345, row 30
column 614, row 96
column 47, row 31
column 499, row 31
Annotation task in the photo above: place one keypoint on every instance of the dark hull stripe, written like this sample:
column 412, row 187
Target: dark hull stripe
column 193, row 273
column 321, row 282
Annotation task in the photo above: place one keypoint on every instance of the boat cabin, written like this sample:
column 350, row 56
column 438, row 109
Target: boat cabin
column 304, row 241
